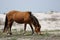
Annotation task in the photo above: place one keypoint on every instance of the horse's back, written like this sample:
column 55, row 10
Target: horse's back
column 18, row 12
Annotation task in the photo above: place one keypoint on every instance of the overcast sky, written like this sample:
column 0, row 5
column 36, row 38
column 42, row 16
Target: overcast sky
column 30, row 5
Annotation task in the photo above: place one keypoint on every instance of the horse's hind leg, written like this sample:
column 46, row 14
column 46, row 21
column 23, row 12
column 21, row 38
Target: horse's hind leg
column 9, row 27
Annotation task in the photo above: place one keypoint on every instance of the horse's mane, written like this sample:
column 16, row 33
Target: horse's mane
column 35, row 20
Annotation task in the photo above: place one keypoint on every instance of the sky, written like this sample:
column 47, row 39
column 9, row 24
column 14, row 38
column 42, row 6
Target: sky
column 29, row 5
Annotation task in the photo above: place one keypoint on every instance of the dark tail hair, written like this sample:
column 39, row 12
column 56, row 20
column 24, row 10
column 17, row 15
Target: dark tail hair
column 5, row 25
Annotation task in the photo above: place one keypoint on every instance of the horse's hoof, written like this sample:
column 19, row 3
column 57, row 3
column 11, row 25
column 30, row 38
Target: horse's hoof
column 33, row 34
column 9, row 33
column 24, row 34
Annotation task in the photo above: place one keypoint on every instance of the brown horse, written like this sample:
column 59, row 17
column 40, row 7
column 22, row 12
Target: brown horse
column 21, row 17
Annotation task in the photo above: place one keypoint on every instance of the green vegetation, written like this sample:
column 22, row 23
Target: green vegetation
column 27, row 33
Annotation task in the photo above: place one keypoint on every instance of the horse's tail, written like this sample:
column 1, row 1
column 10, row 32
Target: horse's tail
column 6, row 20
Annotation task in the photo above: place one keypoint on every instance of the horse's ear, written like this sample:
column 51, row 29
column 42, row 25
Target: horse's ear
column 30, row 13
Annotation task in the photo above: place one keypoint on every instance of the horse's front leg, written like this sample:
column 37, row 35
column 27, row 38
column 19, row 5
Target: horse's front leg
column 32, row 29
column 24, row 28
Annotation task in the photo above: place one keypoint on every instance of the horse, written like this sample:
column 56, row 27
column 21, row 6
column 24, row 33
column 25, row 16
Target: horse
column 21, row 18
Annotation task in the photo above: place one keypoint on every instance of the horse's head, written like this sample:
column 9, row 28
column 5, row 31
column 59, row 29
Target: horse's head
column 37, row 28
column 36, row 25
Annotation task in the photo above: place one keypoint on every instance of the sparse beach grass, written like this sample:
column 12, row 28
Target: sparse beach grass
column 28, row 36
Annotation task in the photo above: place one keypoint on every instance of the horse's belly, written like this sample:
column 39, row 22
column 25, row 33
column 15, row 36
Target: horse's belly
column 19, row 21
column 22, row 21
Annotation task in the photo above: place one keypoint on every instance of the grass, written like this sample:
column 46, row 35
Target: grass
column 27, row 33
column 19, row 35
column 14, row 38
column 51, row 31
